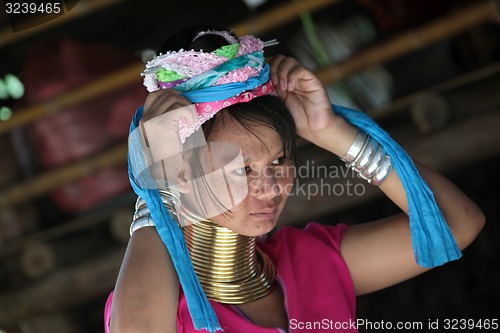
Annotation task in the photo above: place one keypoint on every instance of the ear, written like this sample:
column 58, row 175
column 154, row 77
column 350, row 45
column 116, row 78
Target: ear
column 182, row 182
column 183, row 176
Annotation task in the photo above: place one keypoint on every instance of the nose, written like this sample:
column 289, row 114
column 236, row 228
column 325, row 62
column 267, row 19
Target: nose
column 264, row 187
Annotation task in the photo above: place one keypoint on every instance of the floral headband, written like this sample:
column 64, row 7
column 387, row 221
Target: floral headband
column 242, row 61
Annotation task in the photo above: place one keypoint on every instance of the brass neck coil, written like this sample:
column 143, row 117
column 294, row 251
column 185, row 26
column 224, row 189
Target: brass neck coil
column 231, row 269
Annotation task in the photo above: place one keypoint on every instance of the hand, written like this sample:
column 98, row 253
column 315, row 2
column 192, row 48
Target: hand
column 165, row 100
column 304, row 95
column 163, row 110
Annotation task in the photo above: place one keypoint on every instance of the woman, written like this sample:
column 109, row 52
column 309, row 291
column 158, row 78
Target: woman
column 295, row 279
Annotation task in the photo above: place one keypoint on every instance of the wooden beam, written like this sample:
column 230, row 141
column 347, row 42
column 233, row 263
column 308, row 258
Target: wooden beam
column 64, row 229
column 444, row 27
column 456, row 82
column 33, row 188
column 278, row 16
column 105, row 85
column 84, row 7
column 463, row 144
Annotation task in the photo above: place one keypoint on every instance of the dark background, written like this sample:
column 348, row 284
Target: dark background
column 77, row 245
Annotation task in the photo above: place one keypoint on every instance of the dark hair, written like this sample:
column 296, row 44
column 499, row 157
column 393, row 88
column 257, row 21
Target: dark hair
column 184, row 40
column 268, row 110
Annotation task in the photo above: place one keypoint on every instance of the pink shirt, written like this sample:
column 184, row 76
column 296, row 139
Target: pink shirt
column 318, row 289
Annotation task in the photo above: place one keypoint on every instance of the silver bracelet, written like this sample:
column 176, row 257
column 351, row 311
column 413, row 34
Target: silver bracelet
column 372, row 168
column 142, row 217
column 368, row 158
column 141, row 222
column 382, row 172
column 364, row 158
column 355, row 148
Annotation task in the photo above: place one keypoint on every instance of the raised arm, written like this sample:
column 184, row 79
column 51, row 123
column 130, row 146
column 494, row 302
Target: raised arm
column 379, row 253
column 147, row 289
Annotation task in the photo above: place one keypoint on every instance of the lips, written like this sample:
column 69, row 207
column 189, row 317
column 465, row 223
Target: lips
column 265, row 214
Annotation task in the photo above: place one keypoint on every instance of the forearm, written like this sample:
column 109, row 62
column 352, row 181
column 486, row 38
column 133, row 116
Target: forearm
column 146, row 292
column 462, row 215
column 464, row 218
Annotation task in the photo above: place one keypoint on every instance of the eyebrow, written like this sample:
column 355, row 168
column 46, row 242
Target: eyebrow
column 220, row 159
column 281, row 151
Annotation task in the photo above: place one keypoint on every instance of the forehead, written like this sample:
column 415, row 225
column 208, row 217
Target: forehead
column 254, row 139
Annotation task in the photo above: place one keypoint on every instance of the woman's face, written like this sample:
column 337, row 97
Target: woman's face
column 267, row 173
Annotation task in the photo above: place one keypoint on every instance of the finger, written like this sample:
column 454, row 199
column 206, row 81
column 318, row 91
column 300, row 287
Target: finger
column 164, row 103
column 191, row 115
column 158, row 94
column 274, row 65
column 283, row 71
column 295, row 74
column 177, row 111
column 188, row 112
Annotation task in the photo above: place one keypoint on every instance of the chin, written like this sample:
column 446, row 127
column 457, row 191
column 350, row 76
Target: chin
column 250, row 226
column 257, row 228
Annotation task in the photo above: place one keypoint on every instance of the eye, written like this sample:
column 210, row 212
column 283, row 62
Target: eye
column 242, row 171
column 280, row 160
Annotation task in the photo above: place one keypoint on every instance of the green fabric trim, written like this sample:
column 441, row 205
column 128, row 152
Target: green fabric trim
column 167, row 75
column 228, row 51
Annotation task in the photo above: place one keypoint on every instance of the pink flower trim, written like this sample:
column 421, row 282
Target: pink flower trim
column 185, row 63
column 191, row 63
column 239, row 75
column 207, row 110
column 250, row 44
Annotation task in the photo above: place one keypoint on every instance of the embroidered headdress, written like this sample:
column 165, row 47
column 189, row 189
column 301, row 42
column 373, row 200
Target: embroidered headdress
column 231, row 74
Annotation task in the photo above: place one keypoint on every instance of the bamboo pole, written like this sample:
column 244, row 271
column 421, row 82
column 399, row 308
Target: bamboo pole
column 439, row 29
column 84, row 7
column 96, row 88
column 33, row 188
column 278, row 16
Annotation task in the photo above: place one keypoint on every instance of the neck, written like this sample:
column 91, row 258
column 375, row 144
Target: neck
column 231, row 269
